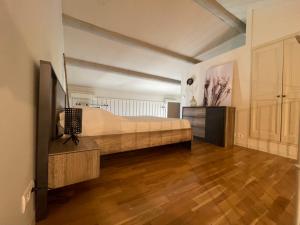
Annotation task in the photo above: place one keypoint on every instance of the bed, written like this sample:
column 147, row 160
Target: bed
column 116, row 134
column 111, row 133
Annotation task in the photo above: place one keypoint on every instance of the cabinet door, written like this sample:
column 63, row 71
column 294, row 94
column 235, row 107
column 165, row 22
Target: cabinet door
column 267, row 66
column 291, row 91
column 215, row 125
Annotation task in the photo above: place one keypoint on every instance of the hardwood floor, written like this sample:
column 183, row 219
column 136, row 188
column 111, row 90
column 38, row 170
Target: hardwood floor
column 172, row 185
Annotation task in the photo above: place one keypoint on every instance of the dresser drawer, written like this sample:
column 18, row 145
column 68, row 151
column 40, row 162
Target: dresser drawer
column 193, row 112
column 195, row 121
column 198, row 132
column 70, row 168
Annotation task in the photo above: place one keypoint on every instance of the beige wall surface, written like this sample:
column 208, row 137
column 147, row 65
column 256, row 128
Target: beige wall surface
column 275, row 21
column 241, row 87
column 88, row 91
column 265, row 24
column 31, row 30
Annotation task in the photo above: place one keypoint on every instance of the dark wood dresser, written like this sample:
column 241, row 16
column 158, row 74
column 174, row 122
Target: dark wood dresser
column 214, row 125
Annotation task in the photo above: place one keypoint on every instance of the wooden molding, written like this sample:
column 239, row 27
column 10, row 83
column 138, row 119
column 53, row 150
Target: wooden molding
column 112, row 35
column 122, row 71
column 219, row 11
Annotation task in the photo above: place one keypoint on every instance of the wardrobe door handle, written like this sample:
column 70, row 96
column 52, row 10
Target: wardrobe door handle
column 283, row 96
column 278, row 96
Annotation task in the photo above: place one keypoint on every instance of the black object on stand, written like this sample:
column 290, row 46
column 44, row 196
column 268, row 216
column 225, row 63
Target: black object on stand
column 73, row 124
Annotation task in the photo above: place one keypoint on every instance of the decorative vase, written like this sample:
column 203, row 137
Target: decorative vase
column 193, row 102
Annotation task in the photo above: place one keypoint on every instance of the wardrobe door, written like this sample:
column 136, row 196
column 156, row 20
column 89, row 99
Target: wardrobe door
column 266, row 91
column 291, row 91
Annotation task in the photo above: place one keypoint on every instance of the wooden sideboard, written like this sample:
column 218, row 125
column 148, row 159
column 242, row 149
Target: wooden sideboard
column 215, row 125
column 69, row 163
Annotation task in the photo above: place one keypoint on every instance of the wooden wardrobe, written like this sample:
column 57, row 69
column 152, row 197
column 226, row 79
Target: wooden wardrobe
column 275, row 91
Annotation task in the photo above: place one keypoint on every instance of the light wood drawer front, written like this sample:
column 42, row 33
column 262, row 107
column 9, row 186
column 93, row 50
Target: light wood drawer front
column 196, row 122
column 198, row 132
column 71, row 168
column 199, row 122
column 194, row 112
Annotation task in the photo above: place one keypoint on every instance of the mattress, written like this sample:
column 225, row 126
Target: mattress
column 97, row 122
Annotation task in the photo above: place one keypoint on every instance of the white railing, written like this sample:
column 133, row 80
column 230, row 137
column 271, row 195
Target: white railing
column 124, row 107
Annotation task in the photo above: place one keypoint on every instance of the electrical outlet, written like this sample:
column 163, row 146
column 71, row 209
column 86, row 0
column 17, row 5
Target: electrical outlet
column 26, row 196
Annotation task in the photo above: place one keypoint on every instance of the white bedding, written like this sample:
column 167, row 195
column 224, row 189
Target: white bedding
column 100, row 122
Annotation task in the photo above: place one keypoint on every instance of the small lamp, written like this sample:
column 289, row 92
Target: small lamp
column 73, row 124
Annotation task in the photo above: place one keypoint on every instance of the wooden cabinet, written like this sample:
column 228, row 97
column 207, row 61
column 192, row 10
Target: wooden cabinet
column 196, row 116
column 266, row 92
column 291, row 91
column 215, row 125
column 69, row 164
column 275, row 92
column 219, row 128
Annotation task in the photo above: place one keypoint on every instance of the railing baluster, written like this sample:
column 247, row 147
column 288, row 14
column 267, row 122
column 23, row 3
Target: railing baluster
column 124, row 107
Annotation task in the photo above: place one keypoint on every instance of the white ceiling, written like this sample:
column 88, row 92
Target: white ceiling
column 239, row 7
column 119, row 83
column 90, row 47
column 178, row 25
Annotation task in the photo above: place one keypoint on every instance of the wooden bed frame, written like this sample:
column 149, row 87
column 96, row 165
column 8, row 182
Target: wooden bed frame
column 109, row 144
column 52, row 101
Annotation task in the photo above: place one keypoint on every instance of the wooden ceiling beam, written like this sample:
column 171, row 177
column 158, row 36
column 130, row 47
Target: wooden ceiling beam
column 219, row 11
column 122, row 71
column 112, row 35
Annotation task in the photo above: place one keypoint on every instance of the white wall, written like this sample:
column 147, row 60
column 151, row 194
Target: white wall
column 84, row 91
column 265, row 24
column 30, row 30
column 241, row 87
column 275, row 21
